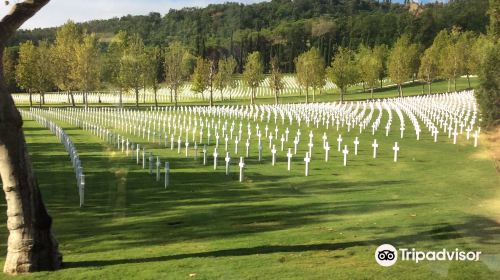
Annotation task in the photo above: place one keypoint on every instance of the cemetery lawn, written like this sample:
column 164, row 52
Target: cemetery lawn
column 274, row 225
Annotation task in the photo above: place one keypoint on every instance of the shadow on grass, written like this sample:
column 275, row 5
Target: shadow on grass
column 488, row 229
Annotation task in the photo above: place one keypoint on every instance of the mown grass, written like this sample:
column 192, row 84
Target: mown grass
column 274, row 225
column 353, row 93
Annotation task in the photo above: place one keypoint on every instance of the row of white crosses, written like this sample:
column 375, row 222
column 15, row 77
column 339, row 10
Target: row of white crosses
column 121, row 143
column 220, row 126
column 68, row 145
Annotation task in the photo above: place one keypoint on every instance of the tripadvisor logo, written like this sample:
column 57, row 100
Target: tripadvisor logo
column 387, row 255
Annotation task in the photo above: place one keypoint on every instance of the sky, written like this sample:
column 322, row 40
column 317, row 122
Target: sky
column 57, row 12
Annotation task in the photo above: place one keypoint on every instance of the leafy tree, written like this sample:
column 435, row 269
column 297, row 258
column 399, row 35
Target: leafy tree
column 224, row 77
column 200, row 81
column 131, row 66
column 68, row 37
column 112, row 60
column 369, row 67
column 465, row 44
column 494, row 13
column 381, row 52
column 343, row 71
column 9, row 68
column 488, row 95
column 25, row 72
column 87, row 68
column 43, row 70
column 152, row 70
column 253, row 74
column 310, row 68
column 276, row 78
column 478, row 53
column 204, row 77
column 318, row 72
column 452, row 63
column 178, row 66
column 401, row 62
column 429, row 66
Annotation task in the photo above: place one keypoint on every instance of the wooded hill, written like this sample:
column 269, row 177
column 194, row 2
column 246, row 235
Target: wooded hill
column 286, row 28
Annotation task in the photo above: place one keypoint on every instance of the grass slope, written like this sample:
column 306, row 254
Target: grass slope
column 275, row 225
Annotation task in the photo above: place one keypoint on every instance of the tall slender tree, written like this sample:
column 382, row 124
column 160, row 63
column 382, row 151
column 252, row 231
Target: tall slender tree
column 276, row 78
column 307, row 67
column 429, row 66
column 401, row 62
column 369, row 67
column 68, row 37
column 253, row 74
column 112, row 61
column 200, row 80
column 224, row 77
column 452, row 64
column 43, row 70
column 178, row 67
column 31, row 245
column 131, row 66
column 152, row 68
column 9, row 67
column 381, row 52
column 87, row 68
column 343, row 71
column 25, row 72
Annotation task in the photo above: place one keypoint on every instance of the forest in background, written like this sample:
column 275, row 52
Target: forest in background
column 286, row 28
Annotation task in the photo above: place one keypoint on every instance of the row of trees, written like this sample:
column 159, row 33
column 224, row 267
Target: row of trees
column 77, row 61
column 287, row 28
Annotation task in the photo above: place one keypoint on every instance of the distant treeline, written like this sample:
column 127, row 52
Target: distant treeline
column 286, row 28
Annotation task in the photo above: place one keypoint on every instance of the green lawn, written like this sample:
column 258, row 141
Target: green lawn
column 274, row 225
column 353, row 93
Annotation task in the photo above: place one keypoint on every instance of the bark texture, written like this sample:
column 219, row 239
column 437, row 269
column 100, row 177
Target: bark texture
column 31, row 244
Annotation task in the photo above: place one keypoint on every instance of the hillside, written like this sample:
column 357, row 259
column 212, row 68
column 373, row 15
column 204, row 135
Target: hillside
column 287, row 28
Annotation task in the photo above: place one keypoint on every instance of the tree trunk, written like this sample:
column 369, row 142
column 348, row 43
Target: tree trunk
column 156, row 97
column 175, row 96
column 314, row 95
column 449, row 85
column 137, row 97
column 430, row 90
column 31, row 97
column 85, row 96
column 43, row 98
column 400, row 90
column 341, row 95
column 171, row 96
column 276, row 96
column 251, row 96
column 211, row 96
column 221, row 95
column 455, row 84
column 371, row 92
column 468, row 80
column 121, row 98
column 31, row 245
column 72, row 96
column 307, row 95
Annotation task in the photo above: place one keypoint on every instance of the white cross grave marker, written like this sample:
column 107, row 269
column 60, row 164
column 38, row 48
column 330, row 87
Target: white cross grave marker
column 375, row 146
column 345, row 152
column 396, row 149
